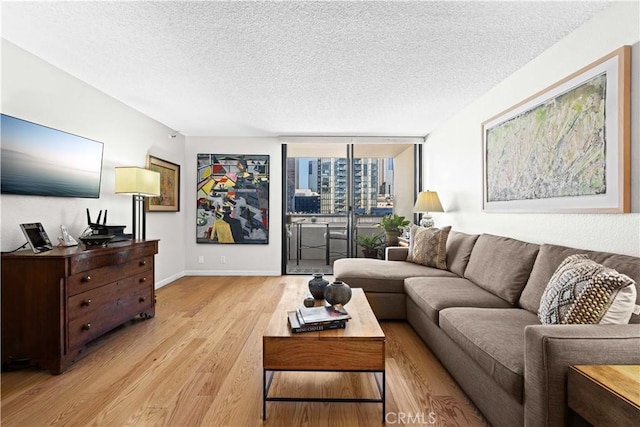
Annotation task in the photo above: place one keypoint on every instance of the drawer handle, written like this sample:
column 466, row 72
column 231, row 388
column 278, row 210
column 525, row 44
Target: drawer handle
column 143, row 262
column 143, row 279
column 142, row 299
column 86, row 326
column 86, row 302
column 86, row 279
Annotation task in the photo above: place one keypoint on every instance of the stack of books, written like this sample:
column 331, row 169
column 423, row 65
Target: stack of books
column 311, row 319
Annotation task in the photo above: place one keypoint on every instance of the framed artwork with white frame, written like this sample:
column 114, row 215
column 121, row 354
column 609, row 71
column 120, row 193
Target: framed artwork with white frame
column 566, row 148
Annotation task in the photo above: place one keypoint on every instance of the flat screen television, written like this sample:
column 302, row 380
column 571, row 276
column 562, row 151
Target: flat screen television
column 41, row 161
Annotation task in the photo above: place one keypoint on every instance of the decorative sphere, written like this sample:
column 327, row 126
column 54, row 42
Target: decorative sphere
column 317, row 286
column 337, row 293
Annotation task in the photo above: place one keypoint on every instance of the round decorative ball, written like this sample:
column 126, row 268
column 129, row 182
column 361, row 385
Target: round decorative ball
column 309, row 302
column 337, row 293
column 317, row 286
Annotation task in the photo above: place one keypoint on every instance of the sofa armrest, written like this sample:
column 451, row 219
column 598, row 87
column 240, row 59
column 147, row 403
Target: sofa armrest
column 396, row 253
column 551, row 349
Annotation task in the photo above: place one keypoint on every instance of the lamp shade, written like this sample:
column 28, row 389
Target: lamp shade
column 136, row 180
column 428, row 201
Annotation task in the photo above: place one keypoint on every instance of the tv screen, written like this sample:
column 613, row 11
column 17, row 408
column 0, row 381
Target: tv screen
column 41, row 161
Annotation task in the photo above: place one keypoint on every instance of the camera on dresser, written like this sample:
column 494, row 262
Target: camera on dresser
column 55, row 302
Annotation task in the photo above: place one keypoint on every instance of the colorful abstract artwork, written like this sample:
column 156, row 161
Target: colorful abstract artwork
column 233, row 199
column 564, row 149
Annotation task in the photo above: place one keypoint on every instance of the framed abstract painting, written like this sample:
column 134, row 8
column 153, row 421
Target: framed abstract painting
column 232, row 199
column 565, row 149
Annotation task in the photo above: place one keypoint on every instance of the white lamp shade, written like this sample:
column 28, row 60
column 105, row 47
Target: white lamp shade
column 136, row 180
column 428, row 201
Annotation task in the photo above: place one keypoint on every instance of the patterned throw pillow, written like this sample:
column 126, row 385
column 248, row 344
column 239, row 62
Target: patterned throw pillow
column 583, row 291
column 428, row 246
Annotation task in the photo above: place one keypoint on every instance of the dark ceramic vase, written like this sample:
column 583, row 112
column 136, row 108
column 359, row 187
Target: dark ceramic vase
column 317, row 286
column 337, row 293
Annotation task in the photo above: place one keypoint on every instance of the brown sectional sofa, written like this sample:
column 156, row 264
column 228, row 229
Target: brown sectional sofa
column 479, row 318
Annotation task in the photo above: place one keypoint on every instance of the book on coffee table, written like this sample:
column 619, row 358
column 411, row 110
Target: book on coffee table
column 296, row 327
column 322, row 315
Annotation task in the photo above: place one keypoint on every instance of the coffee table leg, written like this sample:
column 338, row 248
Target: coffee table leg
column 264, row 394
column 382, row 389
column 266, row 385
column 384, row 399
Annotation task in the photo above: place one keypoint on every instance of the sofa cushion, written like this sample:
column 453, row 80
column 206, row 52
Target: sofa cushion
column 376, row 275
column 494, row 338
column 428, row 246
column 581, row 291
column 433, row 294
column 551, row 256
column 459, row 246
column 501, row 265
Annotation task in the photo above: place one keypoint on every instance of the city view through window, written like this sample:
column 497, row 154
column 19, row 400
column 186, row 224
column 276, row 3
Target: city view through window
column 336, row 193
column 319, row 185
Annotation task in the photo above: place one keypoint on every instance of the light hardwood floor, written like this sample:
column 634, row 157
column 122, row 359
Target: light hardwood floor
column 199, row 363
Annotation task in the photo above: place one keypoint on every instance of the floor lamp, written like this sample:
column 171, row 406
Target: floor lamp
column 428, row 201
column 138, row 182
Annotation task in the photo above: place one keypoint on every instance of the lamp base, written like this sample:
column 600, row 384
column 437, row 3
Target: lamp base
column 139, row 226
column 427, row 221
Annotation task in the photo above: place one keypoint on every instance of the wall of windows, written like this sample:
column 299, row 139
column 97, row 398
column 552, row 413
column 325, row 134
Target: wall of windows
column 335, row 191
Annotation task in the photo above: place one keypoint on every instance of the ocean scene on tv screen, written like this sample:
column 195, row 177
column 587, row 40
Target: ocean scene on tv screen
column 37, row 160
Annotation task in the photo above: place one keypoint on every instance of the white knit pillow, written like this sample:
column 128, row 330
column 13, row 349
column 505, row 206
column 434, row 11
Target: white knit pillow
column 583, row 291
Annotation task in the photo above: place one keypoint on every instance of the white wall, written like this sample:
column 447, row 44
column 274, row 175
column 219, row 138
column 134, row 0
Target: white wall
column 36, row 91
column 453, row 153
column 403, row 177
column 250, row 259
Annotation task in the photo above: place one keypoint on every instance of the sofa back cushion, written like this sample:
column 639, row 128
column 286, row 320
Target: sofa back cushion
column 551, row 256
column 501, row 265
column 459, row 247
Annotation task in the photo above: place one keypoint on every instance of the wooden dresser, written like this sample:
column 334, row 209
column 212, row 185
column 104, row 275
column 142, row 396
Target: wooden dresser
column 55, row 302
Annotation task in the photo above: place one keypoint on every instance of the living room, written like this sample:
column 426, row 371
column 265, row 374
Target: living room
column 35, row 90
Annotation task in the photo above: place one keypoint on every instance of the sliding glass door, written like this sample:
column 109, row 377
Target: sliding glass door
column 335, row 192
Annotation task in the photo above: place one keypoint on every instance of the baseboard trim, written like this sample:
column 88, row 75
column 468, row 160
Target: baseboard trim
column 230, row 273
column 169, row 279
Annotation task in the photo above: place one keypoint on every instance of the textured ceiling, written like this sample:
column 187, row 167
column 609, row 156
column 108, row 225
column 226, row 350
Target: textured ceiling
column 293, row 68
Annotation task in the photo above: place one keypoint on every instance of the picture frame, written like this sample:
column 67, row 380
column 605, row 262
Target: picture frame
column 169, row 198
column 232, row 198
column 566, row 148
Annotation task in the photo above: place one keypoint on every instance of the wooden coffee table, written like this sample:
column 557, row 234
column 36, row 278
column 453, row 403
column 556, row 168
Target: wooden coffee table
column 605, row 394
column 360, row 347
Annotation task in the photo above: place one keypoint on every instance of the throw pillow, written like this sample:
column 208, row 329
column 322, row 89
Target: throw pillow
column 583, row 291
column 428, row 246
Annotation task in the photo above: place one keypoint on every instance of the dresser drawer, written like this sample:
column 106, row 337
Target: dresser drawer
column 100, row 319
column 105, row 297
column 81, row 282
column 92, row 259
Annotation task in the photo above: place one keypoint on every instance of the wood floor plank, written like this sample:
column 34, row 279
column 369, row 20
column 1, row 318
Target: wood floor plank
column 198, row 362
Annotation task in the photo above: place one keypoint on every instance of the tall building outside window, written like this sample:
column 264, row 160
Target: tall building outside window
column 326, row 180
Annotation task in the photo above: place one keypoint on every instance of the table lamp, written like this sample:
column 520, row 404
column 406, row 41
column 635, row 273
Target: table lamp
column 138, row 182
column 427, row 201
